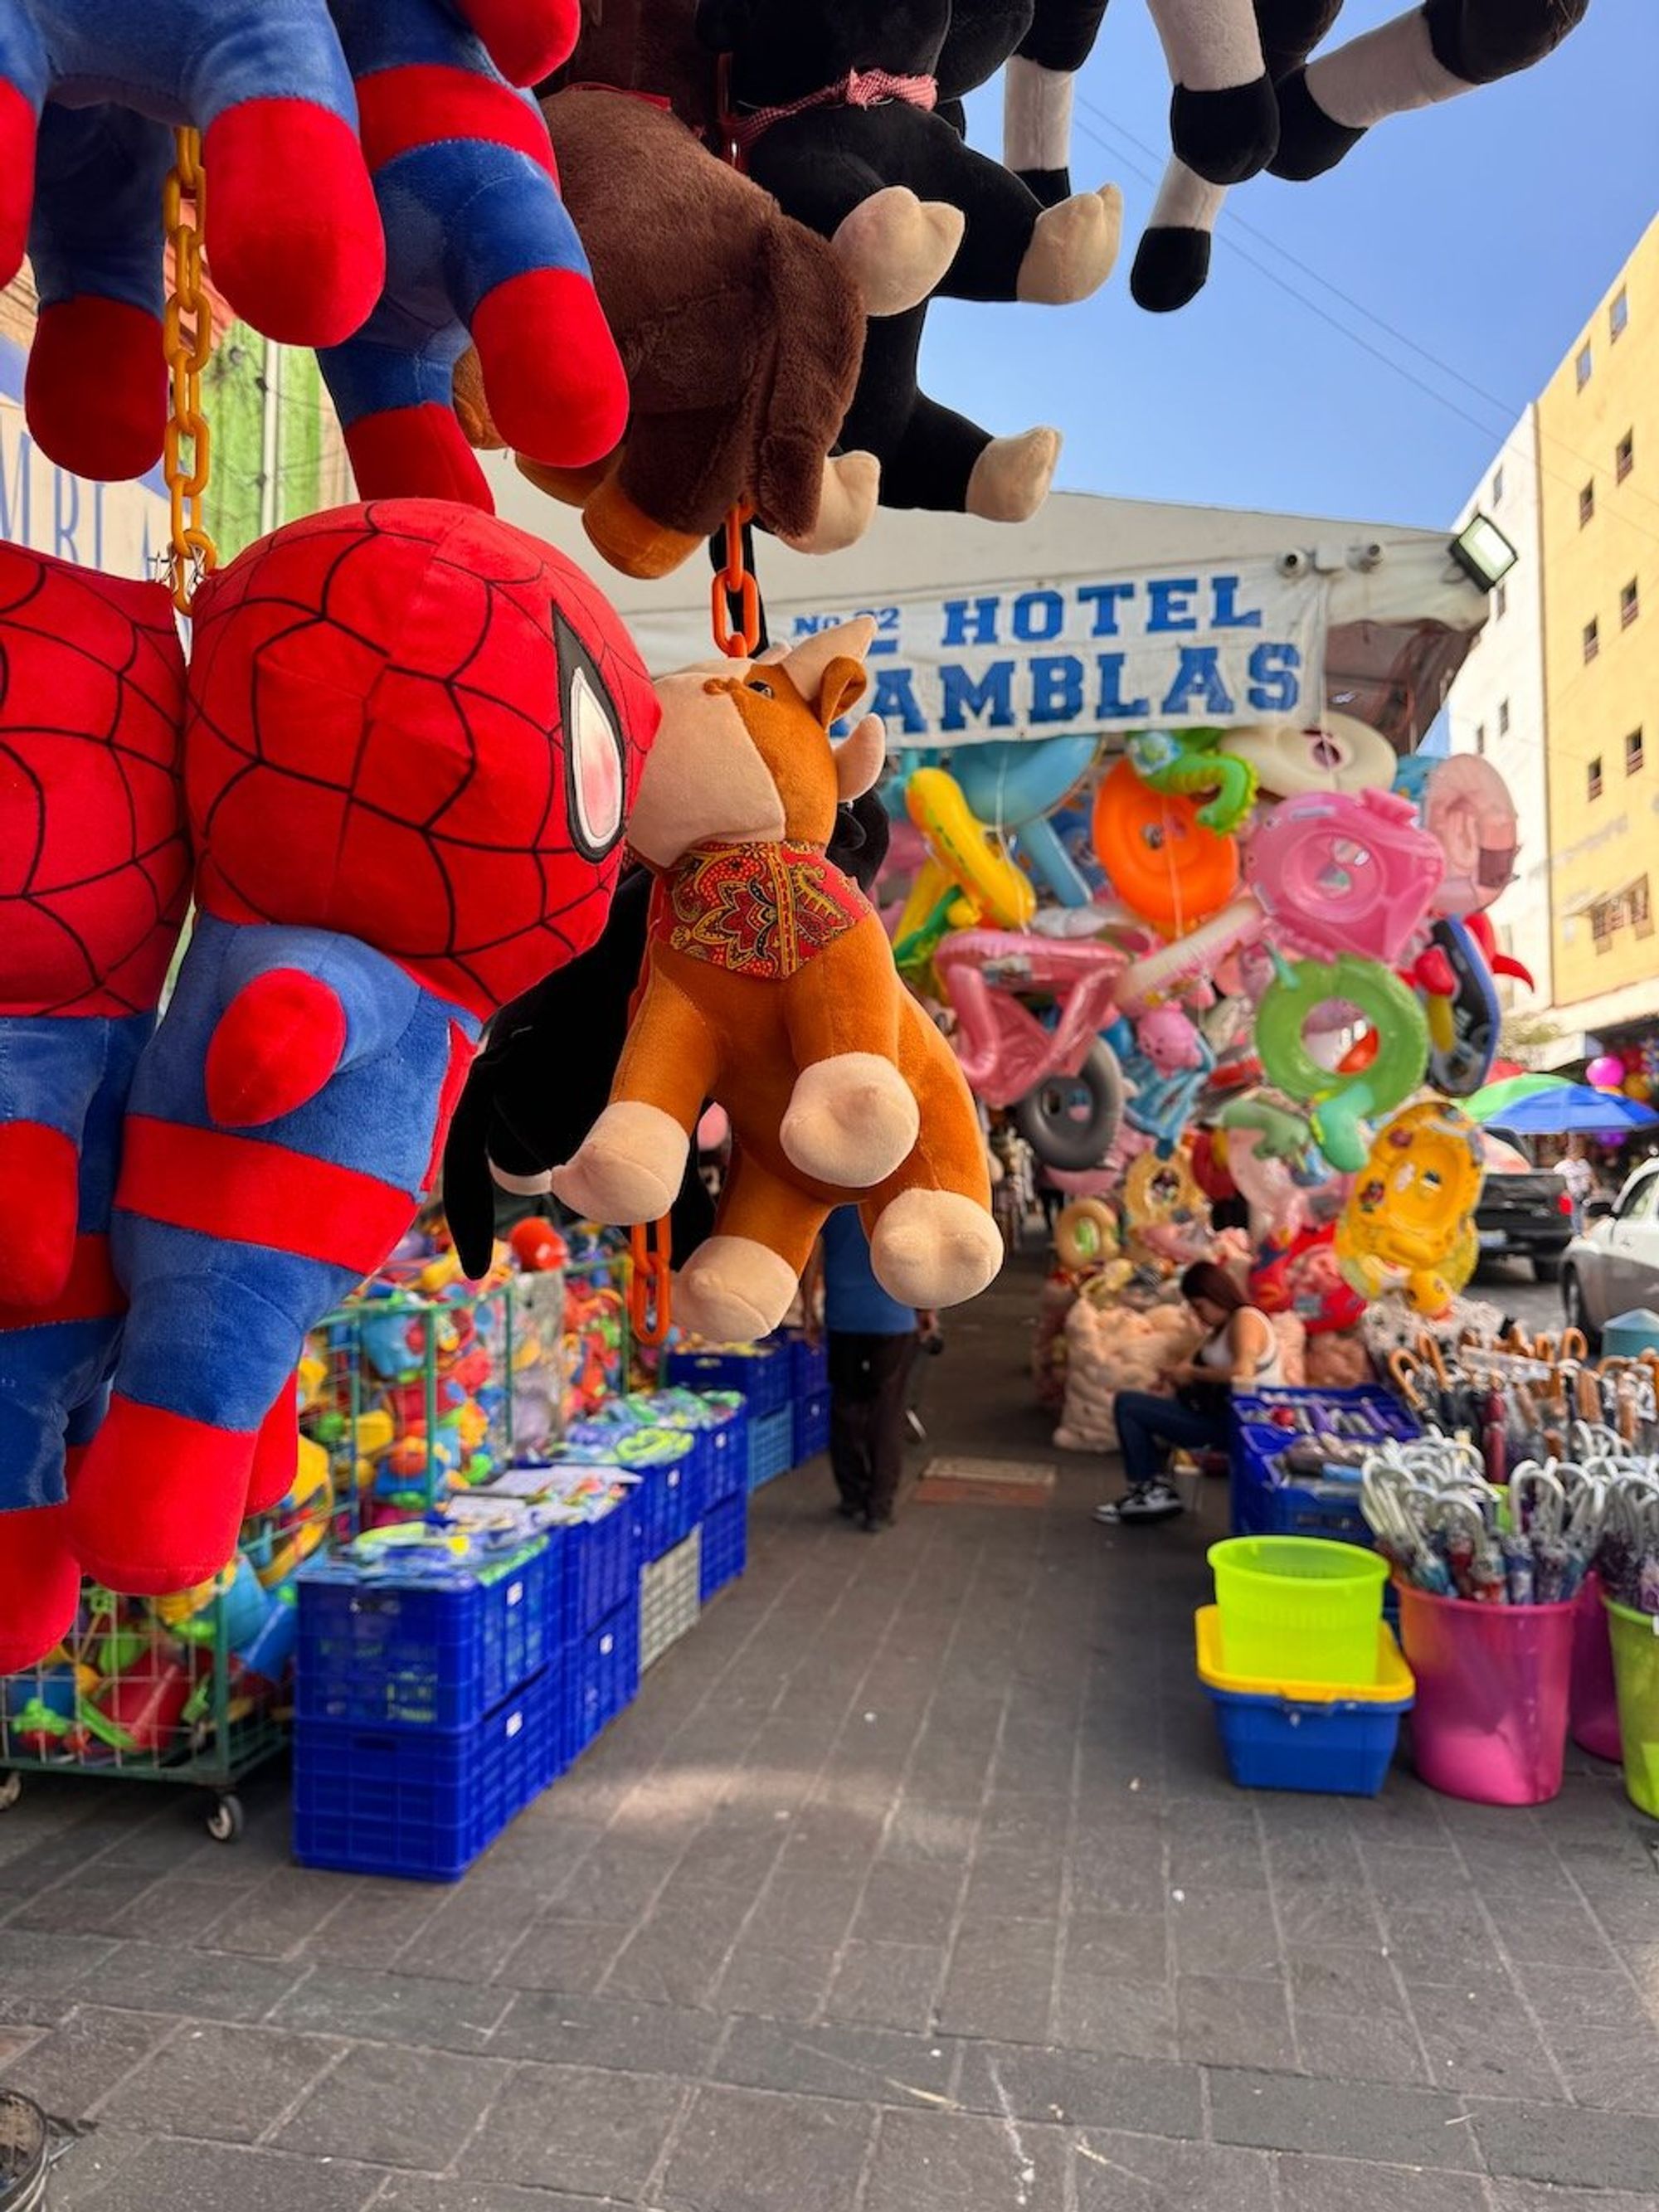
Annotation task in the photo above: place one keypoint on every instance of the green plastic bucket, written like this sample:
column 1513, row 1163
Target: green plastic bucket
column 1636, row 1671
column 1298, row 1609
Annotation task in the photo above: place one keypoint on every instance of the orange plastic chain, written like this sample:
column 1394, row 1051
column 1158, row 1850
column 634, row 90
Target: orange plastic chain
column 650, row 1294
column 193, row 554
column 735, row 582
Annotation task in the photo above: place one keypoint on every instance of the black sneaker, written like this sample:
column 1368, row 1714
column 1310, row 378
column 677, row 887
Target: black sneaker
column 1153, row 1501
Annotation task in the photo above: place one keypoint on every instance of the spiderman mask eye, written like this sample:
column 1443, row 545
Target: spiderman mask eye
column 595, row 764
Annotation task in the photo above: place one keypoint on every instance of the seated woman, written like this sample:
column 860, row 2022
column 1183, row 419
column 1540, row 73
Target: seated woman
column 1239, row 1347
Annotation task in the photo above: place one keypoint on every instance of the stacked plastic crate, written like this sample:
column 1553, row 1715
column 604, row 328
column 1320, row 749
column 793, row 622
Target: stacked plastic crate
column 811, row 1381
column 428, row 1704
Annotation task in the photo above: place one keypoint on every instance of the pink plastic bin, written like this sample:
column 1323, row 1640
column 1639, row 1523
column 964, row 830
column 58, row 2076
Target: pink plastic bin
column 1493, row 1685
column 1594, row 1723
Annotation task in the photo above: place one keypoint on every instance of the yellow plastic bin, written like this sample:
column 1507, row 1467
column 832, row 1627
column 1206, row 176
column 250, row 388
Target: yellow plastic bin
column 1298, row 1609
column 1336, row 1739
column 1636, row 1671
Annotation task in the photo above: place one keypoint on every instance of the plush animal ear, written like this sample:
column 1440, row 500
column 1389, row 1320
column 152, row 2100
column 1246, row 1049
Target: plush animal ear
column 808, row 664
column 861, row 757
column 844, row 683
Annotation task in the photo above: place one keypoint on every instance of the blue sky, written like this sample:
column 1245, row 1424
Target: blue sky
column 1484, row 231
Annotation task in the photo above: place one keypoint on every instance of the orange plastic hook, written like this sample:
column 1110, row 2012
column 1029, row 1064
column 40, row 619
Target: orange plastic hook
column 650, row 1284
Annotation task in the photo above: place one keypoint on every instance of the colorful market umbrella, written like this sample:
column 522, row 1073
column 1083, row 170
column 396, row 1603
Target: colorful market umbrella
column 1485, row 1104
column 1566, row 1108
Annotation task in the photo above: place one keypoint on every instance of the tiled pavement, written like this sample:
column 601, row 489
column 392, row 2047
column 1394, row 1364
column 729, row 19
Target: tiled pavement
column 912, row 1884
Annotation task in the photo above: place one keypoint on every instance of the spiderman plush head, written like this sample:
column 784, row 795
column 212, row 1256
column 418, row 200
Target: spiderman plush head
column 93, row 868
column 418, row 726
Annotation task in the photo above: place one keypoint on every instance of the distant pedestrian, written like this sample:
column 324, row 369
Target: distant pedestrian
column 1578, row 1174
column 873, row 1345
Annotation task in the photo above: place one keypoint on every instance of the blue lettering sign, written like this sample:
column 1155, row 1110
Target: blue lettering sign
column 1274, row 674
column 1110, row 705
column 1039, row 615
column 1198, row 681
column 63, row 526
column 1172, row 601
column 990, row 696
column 971, row 622
column 1104, row 599
column 15, row 511
column 1056, row 688
column 1226, row 616
column 896, row 701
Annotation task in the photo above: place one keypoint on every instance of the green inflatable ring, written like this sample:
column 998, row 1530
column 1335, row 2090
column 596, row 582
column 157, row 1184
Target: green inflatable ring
column 1340, row 1103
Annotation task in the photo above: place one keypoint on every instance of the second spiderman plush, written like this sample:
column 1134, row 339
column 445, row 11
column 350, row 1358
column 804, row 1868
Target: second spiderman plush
column 769, row 986
column 412, row 732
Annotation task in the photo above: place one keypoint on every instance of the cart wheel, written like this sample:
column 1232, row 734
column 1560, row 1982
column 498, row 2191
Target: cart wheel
column 224, row 1822
column 11, row 1789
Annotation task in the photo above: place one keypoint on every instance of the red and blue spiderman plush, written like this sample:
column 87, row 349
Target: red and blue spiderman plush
column 94, row 871
column 376, row 188
column 411, row 737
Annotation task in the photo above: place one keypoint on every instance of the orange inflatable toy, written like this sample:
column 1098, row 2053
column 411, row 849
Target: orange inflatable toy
column 1163, row 864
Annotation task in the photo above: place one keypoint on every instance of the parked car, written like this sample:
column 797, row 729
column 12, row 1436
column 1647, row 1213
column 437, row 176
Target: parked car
column 1614, row 1266
column 1525, row 1212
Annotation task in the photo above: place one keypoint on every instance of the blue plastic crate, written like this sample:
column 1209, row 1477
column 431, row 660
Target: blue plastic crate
column 602, row 1678
column 771, row 1446
column 418, row 1802
column 1337, row 1750
column 764, row 1376
column 725, row 1545
column 669, row 1499
column 727, row 1461
column 811, row 1431
column 1264, row 1505
column 810, row 1377
column 601, row 1568
column 385, row 1645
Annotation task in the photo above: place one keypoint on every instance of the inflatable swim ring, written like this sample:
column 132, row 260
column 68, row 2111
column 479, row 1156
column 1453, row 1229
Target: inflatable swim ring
column 1162, row 863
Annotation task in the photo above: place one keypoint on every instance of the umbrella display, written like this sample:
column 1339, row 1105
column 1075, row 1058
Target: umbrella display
column 1486, row 1105
column 1566, row 1110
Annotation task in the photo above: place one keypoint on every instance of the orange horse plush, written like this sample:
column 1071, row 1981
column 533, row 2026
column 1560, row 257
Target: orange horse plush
column 769, row 985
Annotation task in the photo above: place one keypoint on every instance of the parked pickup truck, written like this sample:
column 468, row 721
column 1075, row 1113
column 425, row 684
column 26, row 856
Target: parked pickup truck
column 1525, row 1212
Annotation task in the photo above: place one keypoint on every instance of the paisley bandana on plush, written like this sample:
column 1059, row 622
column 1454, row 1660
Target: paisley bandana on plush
column 759, row 910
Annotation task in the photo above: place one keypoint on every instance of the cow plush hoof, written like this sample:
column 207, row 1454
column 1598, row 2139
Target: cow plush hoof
column 733, row 1290
column 1171, row 266
column 1227, row 134
column 935, row 1247
column 1073, row 248
column 897, row 247
column 630, row 1169
column 851, row 1121
column 847, row 504
column 1012, row 477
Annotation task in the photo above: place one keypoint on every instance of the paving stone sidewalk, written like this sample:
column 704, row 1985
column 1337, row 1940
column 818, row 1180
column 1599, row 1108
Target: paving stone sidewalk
column 912, row 1884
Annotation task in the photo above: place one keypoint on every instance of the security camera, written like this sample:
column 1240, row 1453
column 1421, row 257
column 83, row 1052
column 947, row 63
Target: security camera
column 1293, row 563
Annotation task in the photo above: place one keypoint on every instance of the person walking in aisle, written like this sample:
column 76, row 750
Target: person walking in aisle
column 873, row 1345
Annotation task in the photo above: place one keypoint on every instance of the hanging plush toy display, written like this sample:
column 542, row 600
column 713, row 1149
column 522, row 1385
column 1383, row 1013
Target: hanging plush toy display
column 401, row 819
column 769, row 986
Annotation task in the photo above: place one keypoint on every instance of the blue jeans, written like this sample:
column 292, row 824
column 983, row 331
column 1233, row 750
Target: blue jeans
column 1147, row 1425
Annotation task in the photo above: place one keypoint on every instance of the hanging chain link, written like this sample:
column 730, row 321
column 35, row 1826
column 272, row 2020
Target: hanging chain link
column 188, row 336
column 650, row 1293
column 735, row 599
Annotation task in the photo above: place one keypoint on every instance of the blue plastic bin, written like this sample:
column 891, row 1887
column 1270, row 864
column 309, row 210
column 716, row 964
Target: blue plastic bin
column 601, row 1567
column 811, row 1377
column 669, row 1499
column 386, row 1645
column 418, row 1802
column 726, row 1462
column 764, row 1376
column 602, row 1678
column 771, row 1446
column 1326, row 1740
column 1264, row 1422
column 724, row 1545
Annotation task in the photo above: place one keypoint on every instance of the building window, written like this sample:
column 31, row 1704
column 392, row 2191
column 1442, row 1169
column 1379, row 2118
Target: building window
column 1592, row 640
column 1624, row 457
column 1641, row 910
column 1480, row 737
column 1605, row 917
column 1587, row 502
column 1496, row 486
column 1630, row 604
column 1593, row 781
column 1633, row 753
column 1501, row 601
column 1502, row 718
column 1618, row 314
column 1584, row 365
